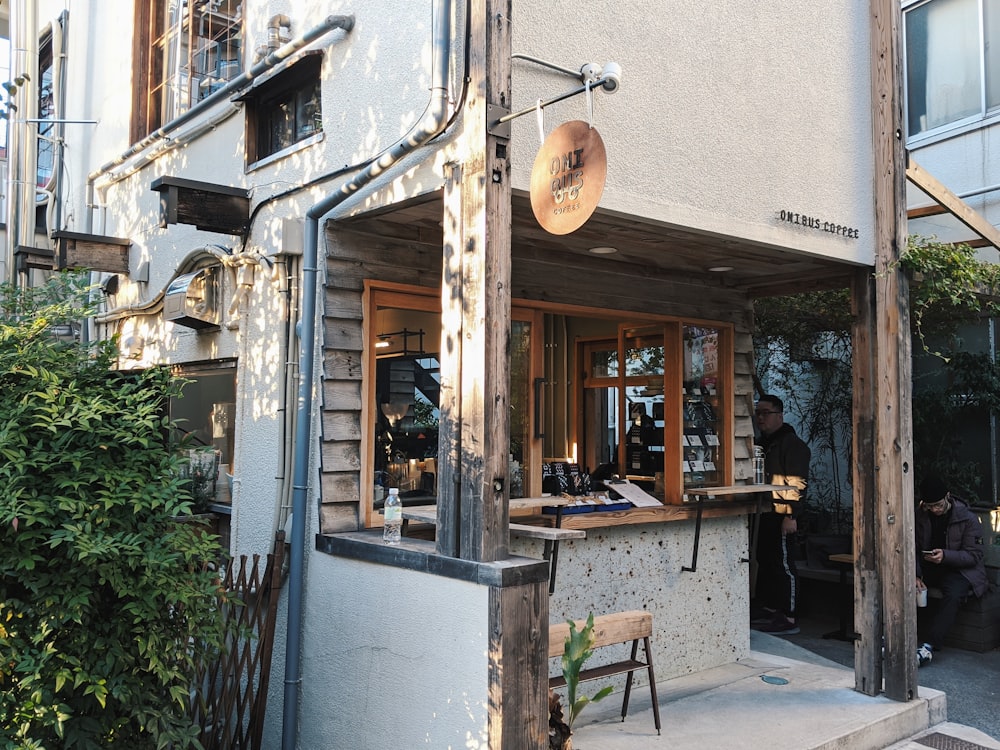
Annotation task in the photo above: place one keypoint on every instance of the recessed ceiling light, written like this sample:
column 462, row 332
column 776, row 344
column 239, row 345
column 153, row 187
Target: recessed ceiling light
column 603, row 250
column 720, row 269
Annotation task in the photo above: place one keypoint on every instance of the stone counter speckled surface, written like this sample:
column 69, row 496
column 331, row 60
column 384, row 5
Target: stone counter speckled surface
column 700, row 619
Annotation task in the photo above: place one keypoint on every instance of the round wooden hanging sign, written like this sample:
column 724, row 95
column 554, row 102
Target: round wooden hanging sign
column 567, row 179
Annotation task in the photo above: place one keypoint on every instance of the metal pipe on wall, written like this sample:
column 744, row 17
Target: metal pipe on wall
column 432, row 123
column 234, row 86
column 22, row 167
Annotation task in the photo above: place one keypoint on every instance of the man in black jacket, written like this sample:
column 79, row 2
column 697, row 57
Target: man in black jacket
column 786, row 462
column 949, row 557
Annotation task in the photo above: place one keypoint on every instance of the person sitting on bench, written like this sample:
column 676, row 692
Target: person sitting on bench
column 949, row 557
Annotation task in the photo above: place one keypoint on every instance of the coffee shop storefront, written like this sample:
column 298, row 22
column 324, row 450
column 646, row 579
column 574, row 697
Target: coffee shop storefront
column 474, row 359
column 634, row 363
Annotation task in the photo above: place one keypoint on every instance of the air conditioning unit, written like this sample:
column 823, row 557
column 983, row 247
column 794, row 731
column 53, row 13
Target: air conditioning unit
column 192, row 299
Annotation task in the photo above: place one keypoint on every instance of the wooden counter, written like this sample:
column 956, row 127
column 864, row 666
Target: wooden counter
column 739, row 500
column 662, row 514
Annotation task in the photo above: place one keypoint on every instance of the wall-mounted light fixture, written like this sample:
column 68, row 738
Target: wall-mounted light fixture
column 110, row 285
column 385, row 341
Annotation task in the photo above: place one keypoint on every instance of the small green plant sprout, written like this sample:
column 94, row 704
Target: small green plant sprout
column 7, row 108
column 578, row 649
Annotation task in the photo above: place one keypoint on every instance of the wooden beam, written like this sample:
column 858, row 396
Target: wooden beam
column 921, row 212
column 955, row 205
column 474, row 436
column 892, row 505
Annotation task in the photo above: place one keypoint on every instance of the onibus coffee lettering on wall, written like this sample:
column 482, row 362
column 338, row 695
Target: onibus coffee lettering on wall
column 567, row 179
column 821, row 225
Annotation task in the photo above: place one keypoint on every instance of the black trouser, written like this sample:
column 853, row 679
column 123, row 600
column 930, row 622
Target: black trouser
column 955, row 589
column 777, row 583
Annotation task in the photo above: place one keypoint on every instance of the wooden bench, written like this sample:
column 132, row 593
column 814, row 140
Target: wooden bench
column 550, row 535
column 616, row 628
column 977, row 627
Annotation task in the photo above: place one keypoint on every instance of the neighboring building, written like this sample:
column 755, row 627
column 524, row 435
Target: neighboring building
column 953, row 132
column 219, row 162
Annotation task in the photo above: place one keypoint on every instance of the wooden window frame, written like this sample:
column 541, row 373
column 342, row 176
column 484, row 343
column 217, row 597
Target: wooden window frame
column 386, row 294
column 276, row 90
column 150, row 76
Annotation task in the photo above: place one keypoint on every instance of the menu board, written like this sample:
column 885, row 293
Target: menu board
column 633, row 494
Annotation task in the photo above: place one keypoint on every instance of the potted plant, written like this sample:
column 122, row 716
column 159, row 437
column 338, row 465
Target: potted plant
column 579, row 648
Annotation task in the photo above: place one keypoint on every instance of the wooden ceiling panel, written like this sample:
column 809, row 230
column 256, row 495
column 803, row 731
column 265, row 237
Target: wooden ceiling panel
column 643, row 249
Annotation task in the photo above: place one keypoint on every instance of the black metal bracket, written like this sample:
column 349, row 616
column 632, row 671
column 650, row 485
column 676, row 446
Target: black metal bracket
column 697, row 538
column 551, row 552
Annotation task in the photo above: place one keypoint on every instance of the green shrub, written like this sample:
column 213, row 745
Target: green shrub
column 107, row 605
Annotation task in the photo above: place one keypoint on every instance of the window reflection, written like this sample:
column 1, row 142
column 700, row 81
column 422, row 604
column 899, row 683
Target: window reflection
column 408, row 392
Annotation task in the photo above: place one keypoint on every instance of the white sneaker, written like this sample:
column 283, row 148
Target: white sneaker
column 924, row 654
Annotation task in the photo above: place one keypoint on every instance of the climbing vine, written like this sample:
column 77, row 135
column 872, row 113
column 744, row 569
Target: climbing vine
column 802, row 346
column 950, row 286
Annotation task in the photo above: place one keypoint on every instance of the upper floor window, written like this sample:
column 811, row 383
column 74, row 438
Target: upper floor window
column 285, row 109
column 183, row 51
column 46, row 114
column 952, row 62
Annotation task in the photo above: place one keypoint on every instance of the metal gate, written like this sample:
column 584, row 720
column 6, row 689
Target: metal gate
column 230, row 697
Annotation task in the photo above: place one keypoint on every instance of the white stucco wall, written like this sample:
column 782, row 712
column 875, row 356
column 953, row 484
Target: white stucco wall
column 409, row 672
column 727, row 114
column 377, row 81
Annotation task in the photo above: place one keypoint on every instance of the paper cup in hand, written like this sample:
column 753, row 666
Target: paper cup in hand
column 922, row 598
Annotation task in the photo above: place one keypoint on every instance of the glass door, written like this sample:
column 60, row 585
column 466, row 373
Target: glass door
column 704, row 444
column 643, row 405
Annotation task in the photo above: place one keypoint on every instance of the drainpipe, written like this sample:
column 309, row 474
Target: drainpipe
column 22, row 147
column 53, row 188
column 432, row 123
column 234, row 86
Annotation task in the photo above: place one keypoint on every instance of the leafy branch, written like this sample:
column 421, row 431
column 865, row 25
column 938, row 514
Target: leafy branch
column 951, row 286
column 7, row 108
column 579, row 648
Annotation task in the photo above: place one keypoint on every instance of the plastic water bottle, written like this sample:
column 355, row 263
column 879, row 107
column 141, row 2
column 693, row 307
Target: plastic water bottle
column 393, row 510
column 758, row 465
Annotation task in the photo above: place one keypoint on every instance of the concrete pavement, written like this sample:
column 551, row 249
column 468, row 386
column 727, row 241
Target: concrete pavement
column 807, row 702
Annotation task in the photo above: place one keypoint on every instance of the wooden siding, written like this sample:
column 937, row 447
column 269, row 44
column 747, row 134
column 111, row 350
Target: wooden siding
column 353, row 257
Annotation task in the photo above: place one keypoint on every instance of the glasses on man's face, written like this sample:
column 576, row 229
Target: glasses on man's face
column 765, row 412
column 937, row 505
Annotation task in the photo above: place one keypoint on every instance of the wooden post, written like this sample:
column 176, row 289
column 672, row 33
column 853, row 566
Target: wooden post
column 474, row 436
column 891, row 367
column 475, row 307
column 867, row 585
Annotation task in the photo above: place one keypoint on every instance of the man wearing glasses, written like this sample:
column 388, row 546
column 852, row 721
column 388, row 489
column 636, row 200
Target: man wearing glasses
column 786, row 461
column 949, row 557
